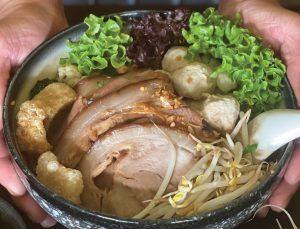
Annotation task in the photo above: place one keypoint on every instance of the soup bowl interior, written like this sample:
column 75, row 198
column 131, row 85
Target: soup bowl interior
column 43, row 63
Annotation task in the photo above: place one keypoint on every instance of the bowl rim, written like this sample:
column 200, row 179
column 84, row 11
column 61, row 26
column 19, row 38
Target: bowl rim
column 86, row 213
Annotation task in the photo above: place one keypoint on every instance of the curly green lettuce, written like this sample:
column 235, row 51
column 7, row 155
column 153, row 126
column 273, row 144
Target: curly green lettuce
column 102, row 45
column 250, row 64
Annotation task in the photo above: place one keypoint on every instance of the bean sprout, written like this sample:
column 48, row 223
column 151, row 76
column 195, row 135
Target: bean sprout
column 221, row 175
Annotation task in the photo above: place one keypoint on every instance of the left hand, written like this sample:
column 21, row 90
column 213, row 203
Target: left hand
column 24, row 24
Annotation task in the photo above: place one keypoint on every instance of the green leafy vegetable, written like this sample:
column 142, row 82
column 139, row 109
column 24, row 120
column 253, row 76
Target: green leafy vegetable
column 103, row 44
column 252, row 66
column 250, row 148
column 40, row 85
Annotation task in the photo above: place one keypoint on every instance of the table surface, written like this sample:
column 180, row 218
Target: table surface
column 76, row 14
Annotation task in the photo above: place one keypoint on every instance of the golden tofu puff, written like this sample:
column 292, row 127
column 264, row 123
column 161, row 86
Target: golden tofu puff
column 31, row 132
column 36, row 115
column 193, row 81
column 69, row 74
column 61, row 180
column 175, row 59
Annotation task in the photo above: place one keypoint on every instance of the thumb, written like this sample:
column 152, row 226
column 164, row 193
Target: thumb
column 8, row 176
column 4, row 76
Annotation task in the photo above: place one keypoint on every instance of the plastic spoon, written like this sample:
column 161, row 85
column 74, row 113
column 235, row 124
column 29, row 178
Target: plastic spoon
column 273, row 129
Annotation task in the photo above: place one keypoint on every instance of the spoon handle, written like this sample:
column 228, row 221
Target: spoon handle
column 273, row 129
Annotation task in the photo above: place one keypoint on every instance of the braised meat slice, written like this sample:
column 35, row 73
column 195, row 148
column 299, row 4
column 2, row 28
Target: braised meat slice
column 152, row 99
column 100, row 85
column 75, row 141
column 127, row 165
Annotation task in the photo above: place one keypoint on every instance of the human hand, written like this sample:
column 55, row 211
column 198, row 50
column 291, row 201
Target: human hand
column 280, row 28
column 24, row 24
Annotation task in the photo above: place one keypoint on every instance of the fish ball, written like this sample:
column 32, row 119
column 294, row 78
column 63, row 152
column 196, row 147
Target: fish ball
column 175, row 59
column 221, row 112
column 224, row 83
column 193, row 81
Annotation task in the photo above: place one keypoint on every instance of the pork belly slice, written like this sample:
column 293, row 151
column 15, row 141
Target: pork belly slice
column 185, row 118
column 127, row 165
column 88, row 85
column 182, row 118
column 75, row 141
column 98, row 86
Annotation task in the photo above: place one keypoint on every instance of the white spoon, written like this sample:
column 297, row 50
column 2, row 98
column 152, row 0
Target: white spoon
column 273, row 129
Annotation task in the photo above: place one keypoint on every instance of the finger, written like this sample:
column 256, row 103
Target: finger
column 292, row 174
column 293, row 70
column 26, row 204
column 230, row 8
column 4, row 75
column 48, row 222
column 225, row 8
column 263, row 212
column 282, row 195
column 8, row 176
column 290, row 183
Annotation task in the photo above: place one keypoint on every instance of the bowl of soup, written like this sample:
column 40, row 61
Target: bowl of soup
column 140, row 119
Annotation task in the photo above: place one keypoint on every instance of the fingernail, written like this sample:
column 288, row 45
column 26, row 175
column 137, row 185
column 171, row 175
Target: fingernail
column 48, row 222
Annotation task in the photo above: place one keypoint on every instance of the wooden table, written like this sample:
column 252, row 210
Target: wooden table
column 76, row 14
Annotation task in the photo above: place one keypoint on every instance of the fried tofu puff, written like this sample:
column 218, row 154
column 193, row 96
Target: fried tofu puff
column 61, row 180
column 36, row 115
column 69, row 74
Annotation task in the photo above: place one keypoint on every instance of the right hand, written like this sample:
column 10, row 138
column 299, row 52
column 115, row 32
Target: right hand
column 24, row 24
column 280, row 28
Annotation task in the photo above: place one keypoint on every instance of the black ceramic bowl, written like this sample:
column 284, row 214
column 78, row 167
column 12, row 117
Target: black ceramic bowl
column 42, row 63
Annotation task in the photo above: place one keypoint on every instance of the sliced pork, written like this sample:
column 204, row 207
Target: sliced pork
column 127, row 165
column 75, row 141
column 88, row 85
column 100, row 85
